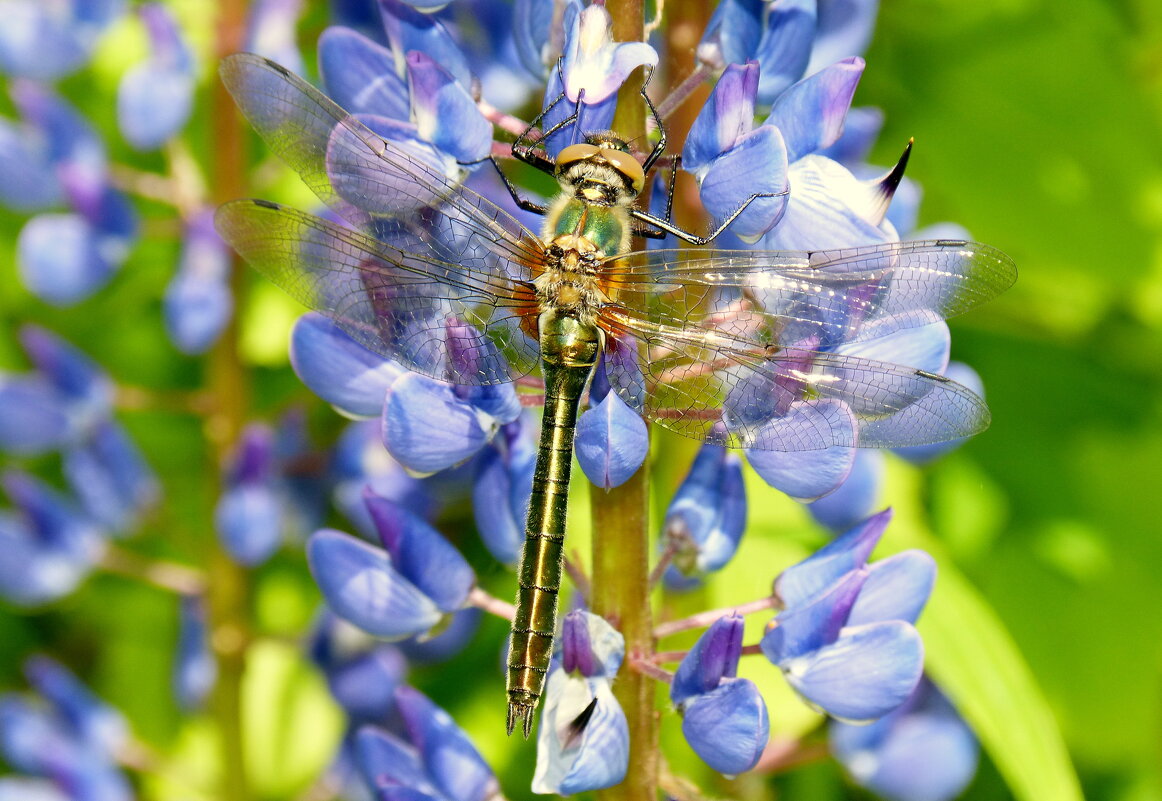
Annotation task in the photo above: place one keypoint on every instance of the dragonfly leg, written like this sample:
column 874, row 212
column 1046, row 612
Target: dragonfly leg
column 694, row 239
column 522, row 202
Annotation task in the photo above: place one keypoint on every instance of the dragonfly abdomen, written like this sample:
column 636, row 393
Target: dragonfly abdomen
column 569, row 350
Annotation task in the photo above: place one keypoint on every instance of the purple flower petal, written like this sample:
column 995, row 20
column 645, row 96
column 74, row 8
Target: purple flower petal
column 583, row 739
column 111, row 477
column 421, row 554
column 249, row 521
column 800, row 583
column 896, row 589
column 856, row 496
column 612, row 442
column 427, row 428
column 785, row 47
column 728, row 727
column 408, row 29
column 359, row 74
column 198, row 302
column 805, row 474
column 18, row 788
column 732, row 179
column 96, row 724
column 713, row 658
column 866, row 673
column 590, row 645
column 28, row 181
column 453, row 763
column 48, row 41
column 810, row 114
column 361, row 586
column 33, row 417
column 270, row 32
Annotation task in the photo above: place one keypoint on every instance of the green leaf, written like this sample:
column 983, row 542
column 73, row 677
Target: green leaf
column 291, row 725
column 973, row 658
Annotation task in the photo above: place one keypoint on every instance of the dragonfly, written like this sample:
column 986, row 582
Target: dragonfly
column 738, row 347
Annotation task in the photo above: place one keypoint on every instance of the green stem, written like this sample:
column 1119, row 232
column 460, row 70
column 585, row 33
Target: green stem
column 228, row 595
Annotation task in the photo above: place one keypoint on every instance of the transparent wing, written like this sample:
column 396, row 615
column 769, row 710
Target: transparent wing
column 387, row 189
column 398, row 303
column 821, row 298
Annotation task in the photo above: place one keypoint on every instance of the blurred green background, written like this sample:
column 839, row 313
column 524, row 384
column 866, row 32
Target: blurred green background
column 1038, row 126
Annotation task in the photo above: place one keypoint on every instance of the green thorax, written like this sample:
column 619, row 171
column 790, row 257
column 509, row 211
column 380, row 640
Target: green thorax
column 607, row 227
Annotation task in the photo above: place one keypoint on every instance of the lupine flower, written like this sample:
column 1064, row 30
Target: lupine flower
column 63, row 258
column 922, row 751
column 47, row 547
column 111, row 478
column 94, row 721
column 724, row 719
column 155, row 98
column 393, row 593
column 361, row 672
column 437, row 762
column 856, row 496
column 593, row 68
column 249, row 515
column 46, row 41
column 195, row 670
column 360, row 461
column 270, row 32
column 845, row 640
column 583, row 739
column 611, row 438
column 706, row 518
column 13, row 788
column 62, row 402
column 198, row 303
column 501, row 489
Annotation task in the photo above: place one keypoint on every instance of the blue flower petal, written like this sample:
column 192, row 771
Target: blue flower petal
column 98, row 725
column 843, row 29
column 732, row 35
column 810, row 114
column 74, row 374
column 896, row 589
column 802, row 582
column 820, row 212
column 861, row 128
column 448, row 639
column 713, row 658
column 612, row 442
column 532, row 24
column 154, row 99
column 707, row 515
column 421, row 554
column 408, row 29
column 19, row 788
column 807, row 474
column 48, row 41
column 726, row 117
column 338, row 369
column 732, row 178
column 501, row 489
column 856, row 496
column 195, row 670
column 590, row 646
column 802, row 630
column 60, row 259
column 198, row 302
column 583, row 739
column 361, row 586
column 593, row 61
column 33, row 418
column 866, row 673
column 111, row 477
column 444, row 112
column 270, row 32
column 365, row 685
column 33, row 573
column 28, row 182
column 249, row 521
column 728, row 727
column 915, row 339
column 384, row 759
column 359, row 74
column 785, row 47
column 453, row 763
column 427, row 428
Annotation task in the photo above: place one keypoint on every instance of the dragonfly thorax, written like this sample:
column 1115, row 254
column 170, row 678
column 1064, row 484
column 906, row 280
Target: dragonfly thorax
column 570, row 283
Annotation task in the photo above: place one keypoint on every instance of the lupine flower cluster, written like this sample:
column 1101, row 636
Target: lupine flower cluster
column 777, row 138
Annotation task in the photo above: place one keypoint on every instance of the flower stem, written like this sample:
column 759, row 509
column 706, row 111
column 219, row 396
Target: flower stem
column 228, row 595
column 169, row 576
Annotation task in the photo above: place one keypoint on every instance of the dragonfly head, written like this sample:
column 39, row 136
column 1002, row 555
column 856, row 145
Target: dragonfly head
column 600, row 170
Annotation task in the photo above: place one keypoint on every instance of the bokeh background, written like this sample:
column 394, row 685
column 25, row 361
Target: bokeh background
column 1038, row 126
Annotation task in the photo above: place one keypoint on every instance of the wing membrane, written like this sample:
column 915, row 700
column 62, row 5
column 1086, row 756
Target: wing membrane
column 394, row 302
